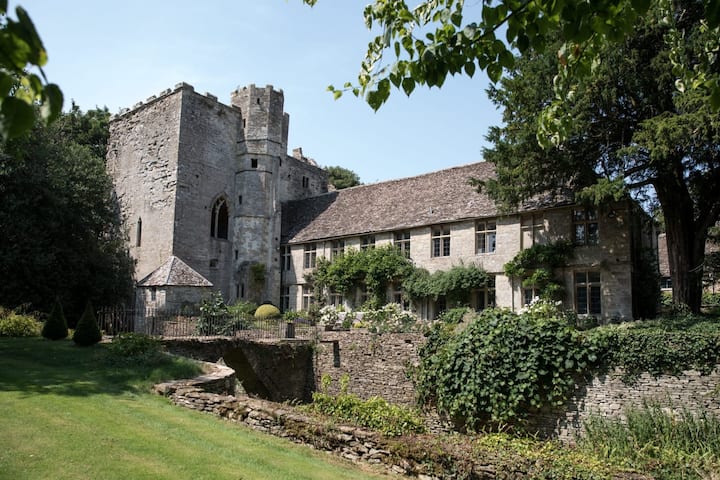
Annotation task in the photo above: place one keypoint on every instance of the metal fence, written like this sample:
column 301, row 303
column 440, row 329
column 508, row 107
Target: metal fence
column 166, row 323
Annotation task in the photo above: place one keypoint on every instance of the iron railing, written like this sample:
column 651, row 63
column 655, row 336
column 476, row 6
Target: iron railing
column 165, row 323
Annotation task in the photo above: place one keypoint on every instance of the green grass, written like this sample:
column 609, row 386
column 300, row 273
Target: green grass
column 68, row 414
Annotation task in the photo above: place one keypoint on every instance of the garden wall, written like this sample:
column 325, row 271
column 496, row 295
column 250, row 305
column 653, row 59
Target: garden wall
column 379, row 365
column 376, row 364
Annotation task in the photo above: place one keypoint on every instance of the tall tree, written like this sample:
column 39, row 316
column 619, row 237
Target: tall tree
column 629, row 130
column 341, row 177
column 425, row 43
column 59, row 228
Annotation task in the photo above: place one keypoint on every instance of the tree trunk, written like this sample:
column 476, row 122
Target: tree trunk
column 685, row 243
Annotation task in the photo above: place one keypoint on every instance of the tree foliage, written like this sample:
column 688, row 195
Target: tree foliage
column 438, row 38
column 629, row 130
column 341, row 177
column 21, row 51
column 61, row 234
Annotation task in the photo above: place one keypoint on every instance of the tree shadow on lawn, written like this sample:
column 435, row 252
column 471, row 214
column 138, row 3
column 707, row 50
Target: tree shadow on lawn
column 41, row 366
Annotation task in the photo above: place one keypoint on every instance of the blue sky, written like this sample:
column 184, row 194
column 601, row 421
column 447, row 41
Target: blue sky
column 115, row 54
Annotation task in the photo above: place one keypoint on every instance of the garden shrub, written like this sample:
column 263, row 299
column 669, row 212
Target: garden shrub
column 13, row 324
column 668, row 345
column 135, row 348
column 267, row 311
column 502, row 366
column 55, row 327
column 87, row 331
column 217, row 318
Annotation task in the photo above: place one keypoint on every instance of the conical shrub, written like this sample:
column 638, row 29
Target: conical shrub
column 87, row 331
column 55, row 327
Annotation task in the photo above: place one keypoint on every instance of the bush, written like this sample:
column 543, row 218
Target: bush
column 217, row 318
column 13, row 324
column 55, row 327
column 502, row 366
column 267, row 311
column 135, row 348
column 87, row 331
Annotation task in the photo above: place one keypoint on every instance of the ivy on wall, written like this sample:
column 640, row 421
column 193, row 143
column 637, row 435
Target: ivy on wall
column 536, row 266
column 455, row 284
column 372, row 269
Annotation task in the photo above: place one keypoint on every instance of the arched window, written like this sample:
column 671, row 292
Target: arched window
column 219, row 219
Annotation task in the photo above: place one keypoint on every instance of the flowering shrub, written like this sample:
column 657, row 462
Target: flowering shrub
column 391, row 318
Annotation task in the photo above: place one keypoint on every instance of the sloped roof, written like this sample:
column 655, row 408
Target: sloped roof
column 174, row 272
column 434, row 198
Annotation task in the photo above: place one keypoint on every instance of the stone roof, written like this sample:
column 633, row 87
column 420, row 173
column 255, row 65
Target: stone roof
column 174, row 272
column 434, row 198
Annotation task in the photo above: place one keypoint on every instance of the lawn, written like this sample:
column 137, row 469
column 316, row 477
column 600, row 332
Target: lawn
column 67, row 413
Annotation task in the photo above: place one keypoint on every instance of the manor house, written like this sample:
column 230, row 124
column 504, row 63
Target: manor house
column 212, row 201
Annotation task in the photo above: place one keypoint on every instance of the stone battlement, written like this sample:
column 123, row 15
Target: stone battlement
column 166, row 93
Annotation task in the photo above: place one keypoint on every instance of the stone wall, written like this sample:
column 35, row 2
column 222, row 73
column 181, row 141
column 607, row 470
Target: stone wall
column 608, row 396
column 377, row 365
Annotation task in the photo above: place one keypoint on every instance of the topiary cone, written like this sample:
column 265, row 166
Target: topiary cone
column 87, row 331
column 55, row 327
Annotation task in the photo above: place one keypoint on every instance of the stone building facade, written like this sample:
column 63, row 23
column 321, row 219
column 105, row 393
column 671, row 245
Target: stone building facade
column 204, row 181
column 213, row 185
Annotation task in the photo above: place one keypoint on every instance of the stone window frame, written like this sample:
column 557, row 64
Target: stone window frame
column 532, row 226
column 285, row 298
column 310, row 255
column 485, row 297
column 220, row 218
column 308, row 296
column 586, row 230
column 337, row 248
column 401, row 240
column 485, row 236
column 440, row 241
column 286, row 257
column 367, row 241
column 587, row 286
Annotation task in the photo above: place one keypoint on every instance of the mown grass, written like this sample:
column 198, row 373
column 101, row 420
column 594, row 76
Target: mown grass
column 69, row 413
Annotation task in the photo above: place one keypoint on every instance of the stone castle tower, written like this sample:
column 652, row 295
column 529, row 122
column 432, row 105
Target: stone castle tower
column 203, row 182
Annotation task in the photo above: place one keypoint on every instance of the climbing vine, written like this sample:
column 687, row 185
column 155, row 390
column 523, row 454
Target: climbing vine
column 536, row 265
column 502, row 365
column 372, row 269
column 455, row 284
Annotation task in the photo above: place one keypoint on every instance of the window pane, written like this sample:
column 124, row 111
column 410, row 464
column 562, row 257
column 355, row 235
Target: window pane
column 491, row 242
column 580, row 277
column 578, row 215
column 446, row 247
column 592, row 236
column 581, row 299
column 580, row 234
column 595, row 299
column 593, row 277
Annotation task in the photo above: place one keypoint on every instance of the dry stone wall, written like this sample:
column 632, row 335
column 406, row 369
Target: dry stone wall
column 380, row 365
column 377, row 365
